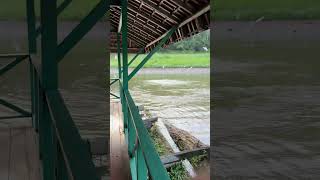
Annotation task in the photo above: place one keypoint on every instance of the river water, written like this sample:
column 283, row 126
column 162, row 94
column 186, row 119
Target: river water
column 180, row 97
column 266, row 99
column 82, row 77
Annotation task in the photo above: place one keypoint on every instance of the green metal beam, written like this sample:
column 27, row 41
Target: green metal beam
column 124, row 35
column 49, row 81
column 82, row 29
column 31, row 19
column 12, row 64
column 119, row 54
column 135, row 57
column 63, row 6
column 14, row 117
column 14, row 55
column 112, row 94
column 15, row 108
column 114, row 81
column 32, row 91
column 76, row 154
column 154, row 50
column 151, row 157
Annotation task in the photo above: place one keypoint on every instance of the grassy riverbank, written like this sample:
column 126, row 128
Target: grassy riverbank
column 270, row 10
column 170, row 59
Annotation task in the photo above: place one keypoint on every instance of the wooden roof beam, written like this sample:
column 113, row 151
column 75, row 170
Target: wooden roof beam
column 131, row 18
column 184, row 6
column 148, row 17
column 160, row 11
column 196, row 15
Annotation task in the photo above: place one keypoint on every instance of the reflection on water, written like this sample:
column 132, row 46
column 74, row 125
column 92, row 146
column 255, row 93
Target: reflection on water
column 180, row 99
column 266, row 111
column 82, row 76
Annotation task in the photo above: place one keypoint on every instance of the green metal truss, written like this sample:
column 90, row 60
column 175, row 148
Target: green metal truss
column 145, row 162
column 63, row 153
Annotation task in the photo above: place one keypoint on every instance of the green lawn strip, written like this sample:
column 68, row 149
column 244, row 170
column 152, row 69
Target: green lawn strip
column 270, row 10
column 174, row 60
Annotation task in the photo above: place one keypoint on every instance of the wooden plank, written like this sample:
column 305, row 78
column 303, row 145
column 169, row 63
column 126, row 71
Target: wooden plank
column 18, row 166
column 19, row 158
column 32, row 154
column 5, row 152
column 119, row 161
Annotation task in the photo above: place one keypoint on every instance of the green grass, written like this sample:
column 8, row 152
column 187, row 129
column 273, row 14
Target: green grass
column 269, row 9
column 173, row 60
column 177, row 171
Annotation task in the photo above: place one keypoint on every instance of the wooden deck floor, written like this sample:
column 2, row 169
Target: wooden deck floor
column 19, row 157
column 119, row 158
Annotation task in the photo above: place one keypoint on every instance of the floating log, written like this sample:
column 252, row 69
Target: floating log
column 162, row 129
column 184, row 139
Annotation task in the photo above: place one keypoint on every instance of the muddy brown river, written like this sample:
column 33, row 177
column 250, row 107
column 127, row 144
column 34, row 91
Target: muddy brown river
column 266, row 93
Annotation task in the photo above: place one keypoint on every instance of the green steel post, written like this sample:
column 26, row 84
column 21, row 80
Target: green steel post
column 31, row 18
column 32, row 91
column 124, row 33
column 119, row 54
column 36, row 100
column 124, row 30
column 119, row 68
column 49, row 81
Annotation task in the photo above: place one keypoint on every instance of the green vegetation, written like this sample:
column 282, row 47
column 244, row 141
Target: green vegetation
column 158, row 142
column 170, row 59
column 195, row 43
column 177, row 171
column 269, row 9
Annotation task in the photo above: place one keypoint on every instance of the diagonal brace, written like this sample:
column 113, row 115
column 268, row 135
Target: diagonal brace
column 63, row 5
column 14, row 117
column 82, row 28
column 135, row 57
column 154, row 50
column 15, row 108
column 114, row 81
column 112, row 94
column 12, row 64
